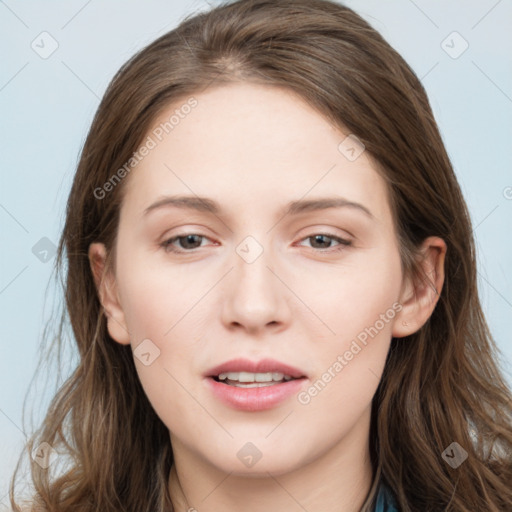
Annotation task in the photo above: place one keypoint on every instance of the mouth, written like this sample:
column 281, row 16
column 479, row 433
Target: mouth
column 254, row 386
column 252, row 380
column 245, row 371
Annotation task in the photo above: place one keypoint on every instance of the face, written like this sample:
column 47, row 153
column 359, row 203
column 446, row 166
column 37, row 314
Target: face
column 241, row 274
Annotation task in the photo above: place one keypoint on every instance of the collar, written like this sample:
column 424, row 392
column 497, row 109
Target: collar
column 385, row 501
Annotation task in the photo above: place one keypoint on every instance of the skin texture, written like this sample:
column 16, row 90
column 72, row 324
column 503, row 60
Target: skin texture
column 253, row 148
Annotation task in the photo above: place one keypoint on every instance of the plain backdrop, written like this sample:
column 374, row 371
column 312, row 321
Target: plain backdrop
column 56, row 61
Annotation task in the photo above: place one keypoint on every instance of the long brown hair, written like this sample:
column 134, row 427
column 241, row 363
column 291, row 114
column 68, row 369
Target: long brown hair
column 440, row 385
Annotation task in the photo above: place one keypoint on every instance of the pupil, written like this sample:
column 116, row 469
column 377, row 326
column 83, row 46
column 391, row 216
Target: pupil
column 318, row 238
column 189, row 239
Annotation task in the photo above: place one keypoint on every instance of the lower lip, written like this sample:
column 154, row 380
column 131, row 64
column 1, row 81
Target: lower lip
column 254, row 399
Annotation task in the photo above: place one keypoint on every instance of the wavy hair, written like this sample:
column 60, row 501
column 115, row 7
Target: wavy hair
column 441, row 384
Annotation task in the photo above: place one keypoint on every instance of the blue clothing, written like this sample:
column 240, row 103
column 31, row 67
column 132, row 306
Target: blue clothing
column 385, row 501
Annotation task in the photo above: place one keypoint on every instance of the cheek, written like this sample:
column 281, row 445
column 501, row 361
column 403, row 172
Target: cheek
column 161, row 303
column 348, row 298
column 358, row 307
column 349, row 364
column 157, row 298
column 159, row 306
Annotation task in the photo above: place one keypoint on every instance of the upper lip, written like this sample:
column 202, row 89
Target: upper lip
column 262, row 366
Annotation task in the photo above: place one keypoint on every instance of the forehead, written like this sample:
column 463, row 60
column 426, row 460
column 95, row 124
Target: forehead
column 251, row 146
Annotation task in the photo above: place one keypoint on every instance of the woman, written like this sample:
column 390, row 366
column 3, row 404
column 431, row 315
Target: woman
column 229, row 360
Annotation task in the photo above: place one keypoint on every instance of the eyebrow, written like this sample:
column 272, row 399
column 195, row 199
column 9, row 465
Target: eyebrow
column 205, row 204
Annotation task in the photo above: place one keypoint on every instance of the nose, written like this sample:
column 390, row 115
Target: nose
column 255, row 297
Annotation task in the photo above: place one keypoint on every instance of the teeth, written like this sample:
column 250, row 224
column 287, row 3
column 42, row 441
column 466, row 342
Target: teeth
column 254, row 377
column 252, row 384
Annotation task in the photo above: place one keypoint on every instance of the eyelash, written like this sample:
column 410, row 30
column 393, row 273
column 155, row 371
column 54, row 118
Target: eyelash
column 343, row 243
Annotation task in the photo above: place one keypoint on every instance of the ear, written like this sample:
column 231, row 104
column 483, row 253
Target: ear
column 107, row 294
column 419, row 296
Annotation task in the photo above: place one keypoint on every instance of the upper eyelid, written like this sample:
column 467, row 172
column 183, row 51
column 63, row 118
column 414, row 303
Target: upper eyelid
column 312, row 229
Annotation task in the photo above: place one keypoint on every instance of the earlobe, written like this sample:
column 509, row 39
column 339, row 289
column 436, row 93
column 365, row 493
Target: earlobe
column 419, row 296
column 107, row 293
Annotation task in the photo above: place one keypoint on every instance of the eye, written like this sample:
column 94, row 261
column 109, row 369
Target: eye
column 191, row 241
column 188, row 242
column 323, row 241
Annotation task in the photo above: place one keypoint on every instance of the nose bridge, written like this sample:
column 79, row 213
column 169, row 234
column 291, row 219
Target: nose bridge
column 255, row 295
column 252, row 274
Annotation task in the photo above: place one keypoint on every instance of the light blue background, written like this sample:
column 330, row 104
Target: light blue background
column 46, row 106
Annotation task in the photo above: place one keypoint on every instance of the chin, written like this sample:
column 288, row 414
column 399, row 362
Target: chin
column 273, row 462
column 261, row 469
